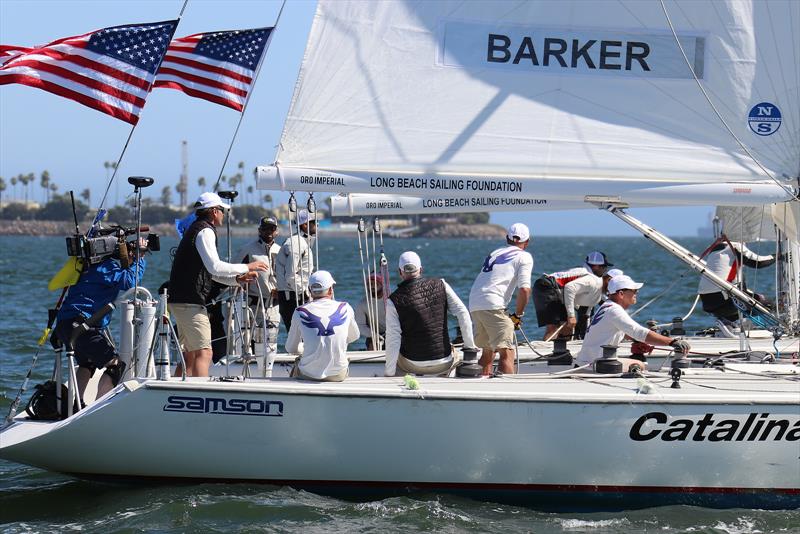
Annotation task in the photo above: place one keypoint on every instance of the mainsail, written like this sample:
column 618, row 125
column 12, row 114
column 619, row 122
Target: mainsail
column 534, row 98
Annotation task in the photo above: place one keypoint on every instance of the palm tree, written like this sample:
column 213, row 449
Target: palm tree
column 2, row 188
column 250, row 190
column 180, row 188
column 23, row 179
column 166, row 196
column 31, row 179
column 86, row 195
column 201, row 182
column 44, row 183
column 268, row 198
column 14, row 185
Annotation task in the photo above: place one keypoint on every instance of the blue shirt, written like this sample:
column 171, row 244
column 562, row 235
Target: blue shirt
column 98, row 286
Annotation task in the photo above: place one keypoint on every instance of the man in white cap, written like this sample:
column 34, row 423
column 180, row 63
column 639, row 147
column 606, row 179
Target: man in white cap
column 417, row 337
column 504, row 270
column 294, row 265
column 564, row 299
column 195, row 270
column 611, row 322
column 264, row 248
column 325, row 327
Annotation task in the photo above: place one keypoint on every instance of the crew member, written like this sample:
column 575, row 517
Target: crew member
column 194, row 270
column 504, row 270
column 265, row 249
column 553, row 312
column 292, row 274
column 97, row 286
column 363, row 314
column 325, row 327
column 725, row 262
column 417, row 337
column 611, row 322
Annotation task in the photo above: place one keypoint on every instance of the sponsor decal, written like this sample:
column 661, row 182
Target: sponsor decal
column 383, row 205
column 764, row 119
column 221, row 406
column 565, row 51
column 711, row 427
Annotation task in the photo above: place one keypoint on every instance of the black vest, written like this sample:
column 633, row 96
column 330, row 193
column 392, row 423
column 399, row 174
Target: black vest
column 421, row 304
column 189, row 281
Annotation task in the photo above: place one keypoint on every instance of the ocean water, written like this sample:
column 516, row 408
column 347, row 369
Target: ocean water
column 32, row 500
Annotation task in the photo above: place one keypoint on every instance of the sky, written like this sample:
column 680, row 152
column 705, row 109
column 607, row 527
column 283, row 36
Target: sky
column 41, row 131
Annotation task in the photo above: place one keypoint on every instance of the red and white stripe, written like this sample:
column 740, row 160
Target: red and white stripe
column 217, row 81
column 67, row 68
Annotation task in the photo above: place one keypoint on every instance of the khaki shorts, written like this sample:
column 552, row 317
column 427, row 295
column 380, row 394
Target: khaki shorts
column 194, row 328
column 493, row 329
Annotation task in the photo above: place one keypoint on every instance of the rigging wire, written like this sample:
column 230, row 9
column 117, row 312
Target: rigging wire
column 783, row 186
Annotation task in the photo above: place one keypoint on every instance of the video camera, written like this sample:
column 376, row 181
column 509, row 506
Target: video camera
column 110, row 242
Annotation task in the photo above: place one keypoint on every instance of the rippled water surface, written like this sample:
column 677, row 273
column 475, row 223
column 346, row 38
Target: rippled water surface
column 32, row 500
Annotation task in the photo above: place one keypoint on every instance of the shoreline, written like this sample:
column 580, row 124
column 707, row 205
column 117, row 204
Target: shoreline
column 34, row 228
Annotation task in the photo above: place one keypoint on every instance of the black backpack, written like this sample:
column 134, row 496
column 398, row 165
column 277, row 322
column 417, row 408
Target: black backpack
column 43, row 403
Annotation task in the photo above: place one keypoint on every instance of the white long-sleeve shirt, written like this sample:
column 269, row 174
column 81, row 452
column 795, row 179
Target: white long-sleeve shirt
column 503, row 271
column 362, row 316
column 257, row 250
column 292, row 273
column 724, row 263
column 584, row 291
column 393, row 332
column 325, row 327
column 609, row 324
column 222, row 271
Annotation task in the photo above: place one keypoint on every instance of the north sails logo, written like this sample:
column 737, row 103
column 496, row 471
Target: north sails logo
column 217, row 405
column 757, row 427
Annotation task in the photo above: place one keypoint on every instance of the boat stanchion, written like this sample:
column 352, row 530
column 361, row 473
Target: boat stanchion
column 608, row 364
column 164, row 330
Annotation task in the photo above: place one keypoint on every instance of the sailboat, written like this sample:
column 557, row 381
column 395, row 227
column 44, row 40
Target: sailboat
column 597, row 103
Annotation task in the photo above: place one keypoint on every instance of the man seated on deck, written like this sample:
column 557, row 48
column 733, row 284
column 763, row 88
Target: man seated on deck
column 506, row 269
column 97, row 286
column 363, row 313
column 564, row 299
column 417, row 338
column 321, row 331
column 611, row 322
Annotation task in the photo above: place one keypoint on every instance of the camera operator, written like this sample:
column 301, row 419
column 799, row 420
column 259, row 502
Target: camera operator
column 195, row 269
column 97, row 286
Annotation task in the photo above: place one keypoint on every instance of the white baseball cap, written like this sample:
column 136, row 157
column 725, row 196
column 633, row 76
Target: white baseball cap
column 614, row 272
column 320, row 281
column 622, row 282
column 409, row 262
column 303, row 217
column 598, row 258
column 210, row 200
column 518, row 231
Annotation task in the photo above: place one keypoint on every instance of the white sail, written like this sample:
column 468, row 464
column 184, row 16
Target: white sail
column 588, row 94
column 747, row 223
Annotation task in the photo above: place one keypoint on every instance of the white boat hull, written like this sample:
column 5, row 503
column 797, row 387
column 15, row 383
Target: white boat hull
column 541, row 441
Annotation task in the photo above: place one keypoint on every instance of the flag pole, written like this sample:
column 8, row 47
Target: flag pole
column 249, row 94
column 130, row 134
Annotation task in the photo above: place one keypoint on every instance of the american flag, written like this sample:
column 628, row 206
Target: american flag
column 216, row 66
column 109, row 70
